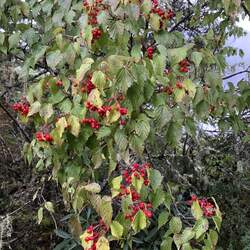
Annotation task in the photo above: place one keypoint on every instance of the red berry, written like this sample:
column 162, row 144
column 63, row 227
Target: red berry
column 179, row 85
column 123, row 111
column 39, row 136
column 148, row 213
column 48, row 137
column 122, row 122
column 169, row 90
column 90, row 229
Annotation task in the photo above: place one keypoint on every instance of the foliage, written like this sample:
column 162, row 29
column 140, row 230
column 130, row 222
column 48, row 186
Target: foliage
column 110, row 76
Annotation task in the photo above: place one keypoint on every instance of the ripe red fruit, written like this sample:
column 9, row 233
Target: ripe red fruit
column 48, row 137
column 146, row 182
column 123, row 111
column 142, row 205
column 39, row 136
column 96, row 33
column 59, row 83
column 90, row 229
column 148, row 213
column 150, row 52
column 179, row 85
column 184, row 69
column 122, row 122
column 169, row 90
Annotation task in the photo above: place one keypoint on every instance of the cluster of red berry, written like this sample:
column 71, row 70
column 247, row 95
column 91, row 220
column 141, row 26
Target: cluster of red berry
column 97, row 33
column 40, row 136
column 138, row 171
column 169, row 90
column 150, row 52
column 184, row 66
column 179, row 85
column 94, row 232
column 88, row 85
column 23, row 108
column 160, row 12
column 92, row 122
column 207, row 206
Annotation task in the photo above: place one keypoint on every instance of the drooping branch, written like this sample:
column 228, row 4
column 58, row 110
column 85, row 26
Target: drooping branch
column 237, row 73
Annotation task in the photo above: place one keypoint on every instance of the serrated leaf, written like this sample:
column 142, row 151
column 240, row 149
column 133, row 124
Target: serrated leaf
column 103, row 132
column 187, row 235
column 40, row 215
column 155, row 178
column 92, row 187
column 196, row 210
column 34, row 108
column 196, row 57
column 85, row 67
column 46, row 112
column 178, row 54
column 163, row 218
column 49, row 206
column 14, row 40
column 175, row 225
column 115, row 186
column 155, row 21
column 74, row 125
column 116, row 229
column 61, row 124
column 113, row 116
column 140, row 221
column 137, row 183
column 99, row 80
column 167, row 244
column 94, row 98
column 54, row 58
column 121, row 139
column 102, row 244
column 200, row 227
column 190, row 87
column 179, row 94
column 136, row 144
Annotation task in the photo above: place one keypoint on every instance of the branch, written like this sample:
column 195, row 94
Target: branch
column 183, row 20
column 26, row 136
column 245, row 9
column 235, row 74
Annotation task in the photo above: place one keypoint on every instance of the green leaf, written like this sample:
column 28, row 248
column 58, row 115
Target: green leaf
column 187, row 235
column 196, row 210
column 99, row 80
column 142, row 128
column 202, row 108
column 40, row 215
column 34, row 108
column 174, row 133
column 190, row 87
column 155, row 21
column 121, row 139
column 200, row 227
column 74, row 125
column 115, row 186
column 14, row 40
column 167, row 244
column 155, row 178
column 85, row 67
column 137, row 183
column 175, row 225
column 116, row 229
column 162, row 219
column 94, row 98
column 102, row 244
column 49, row 206
column 61, row 124
column 46, row 112
column 196, row 57
column 54, row 58
column 140, row 221
column 177, row 55
column 92, row 187
column 103, row 132
column 226, row 4
column 157, row 198
column 146, row 6
column 105, row 210
column 136, row 144
column 179, row 94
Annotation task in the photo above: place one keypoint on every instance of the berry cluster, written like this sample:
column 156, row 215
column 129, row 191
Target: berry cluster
column 169, row 90
column 23, row 108
column 94, row 232
column 137, row 171
column 160, row 12
column 88, row 85
column 40, row 136
column 150, row 52
column 92, row 10
column 145, row 207
column 207, row 207
column 184, row 66
column 92, row 122
column 97, row 33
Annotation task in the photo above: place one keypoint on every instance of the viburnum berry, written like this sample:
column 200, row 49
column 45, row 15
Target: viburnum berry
column 90, row 229
column 184, row 69
column 39, row 136
column 59, row 83
column 179, row 85
column 170, row 14
column 169, row 90
column 23, row 108
column 123, row 111
column 48, row 137
column 122, row 122
column 150, row 52
column 96, row 33
column 148, row 213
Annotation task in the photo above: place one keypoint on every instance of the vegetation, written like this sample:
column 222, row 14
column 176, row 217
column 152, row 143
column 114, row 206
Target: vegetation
column 115, row 96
